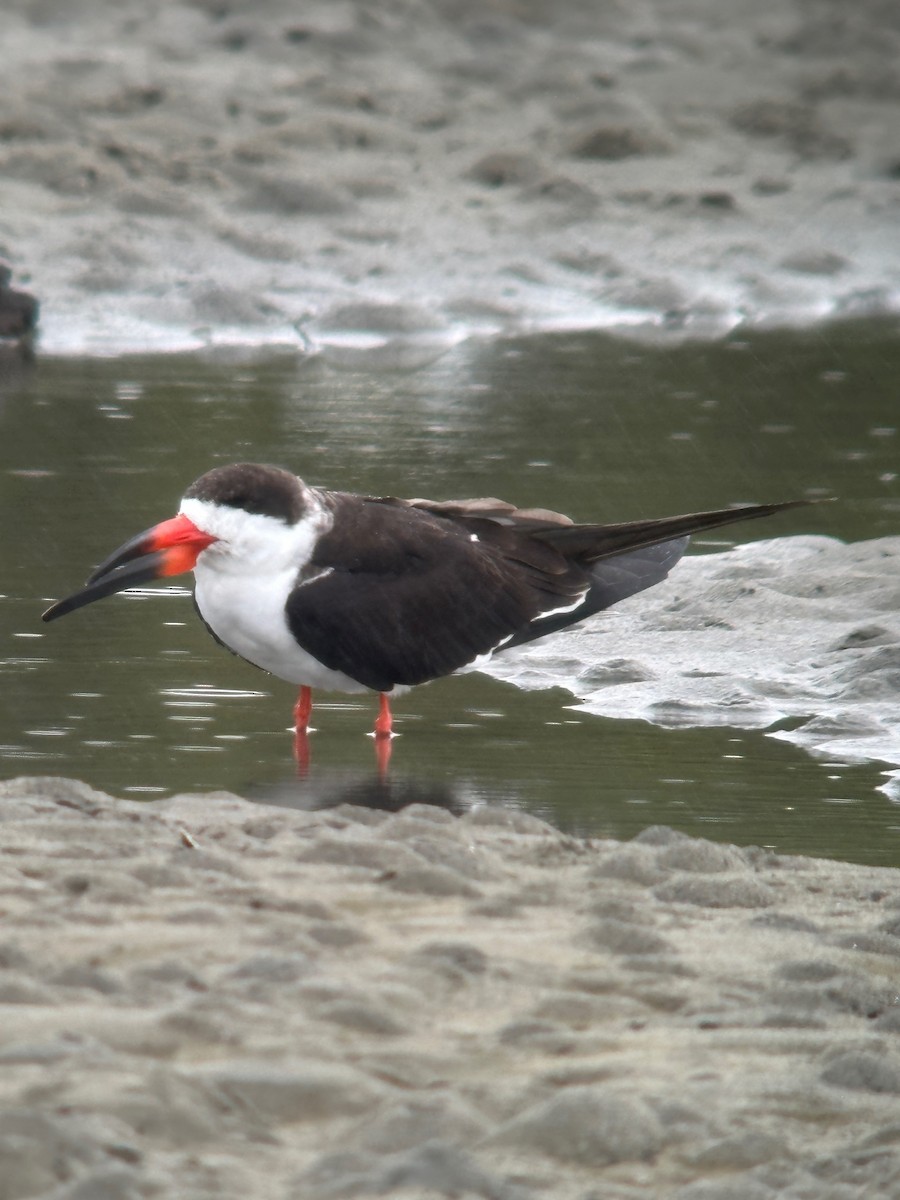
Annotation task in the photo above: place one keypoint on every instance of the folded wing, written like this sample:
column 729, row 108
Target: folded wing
column 402, row 591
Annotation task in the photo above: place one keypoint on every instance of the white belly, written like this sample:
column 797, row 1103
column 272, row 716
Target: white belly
column 247, row 614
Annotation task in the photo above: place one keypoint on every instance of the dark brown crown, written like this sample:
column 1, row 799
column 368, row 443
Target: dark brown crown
column 255, row 487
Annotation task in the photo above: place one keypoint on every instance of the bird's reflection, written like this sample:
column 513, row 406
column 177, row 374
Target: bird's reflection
column 16, row 370
column 303, row 753
column 321, row 789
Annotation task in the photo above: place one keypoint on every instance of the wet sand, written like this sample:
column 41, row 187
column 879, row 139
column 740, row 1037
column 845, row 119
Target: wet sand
column 210, row 998
column 396, row 176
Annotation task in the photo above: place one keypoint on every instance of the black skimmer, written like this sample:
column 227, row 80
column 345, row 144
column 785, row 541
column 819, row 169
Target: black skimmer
column 375, row 594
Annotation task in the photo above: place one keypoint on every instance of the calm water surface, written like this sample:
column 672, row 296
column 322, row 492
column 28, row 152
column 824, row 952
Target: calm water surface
column 134, row 697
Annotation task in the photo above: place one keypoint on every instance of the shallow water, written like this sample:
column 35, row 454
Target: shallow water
column 133, row 696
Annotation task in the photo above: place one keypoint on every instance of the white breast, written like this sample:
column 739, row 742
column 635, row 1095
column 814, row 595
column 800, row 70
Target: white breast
column 248, row 616
column 243, row 582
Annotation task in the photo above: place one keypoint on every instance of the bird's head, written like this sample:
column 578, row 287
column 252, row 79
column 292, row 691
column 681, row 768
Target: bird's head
column 243, row 517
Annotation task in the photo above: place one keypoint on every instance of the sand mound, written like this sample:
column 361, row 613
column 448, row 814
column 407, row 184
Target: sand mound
column 208, row 998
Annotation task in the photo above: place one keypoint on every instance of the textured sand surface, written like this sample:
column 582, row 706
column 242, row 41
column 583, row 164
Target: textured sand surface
column 210, row 998
column 399, row 175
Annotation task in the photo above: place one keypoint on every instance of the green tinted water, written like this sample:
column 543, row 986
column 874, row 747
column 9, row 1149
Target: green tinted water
column 133, row 696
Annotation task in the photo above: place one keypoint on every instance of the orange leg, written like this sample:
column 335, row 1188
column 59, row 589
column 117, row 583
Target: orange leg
column 383, row 726
column 384, row 722
column 303, row 710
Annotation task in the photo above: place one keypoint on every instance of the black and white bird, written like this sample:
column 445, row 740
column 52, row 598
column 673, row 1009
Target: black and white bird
column 371, row 593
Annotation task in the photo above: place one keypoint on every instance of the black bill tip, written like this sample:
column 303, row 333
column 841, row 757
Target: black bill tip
column 141, row 570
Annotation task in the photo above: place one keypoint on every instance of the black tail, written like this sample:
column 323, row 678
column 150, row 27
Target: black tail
column 590, row 543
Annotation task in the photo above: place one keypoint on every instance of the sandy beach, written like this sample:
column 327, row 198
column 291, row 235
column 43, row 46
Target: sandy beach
column 210, row 998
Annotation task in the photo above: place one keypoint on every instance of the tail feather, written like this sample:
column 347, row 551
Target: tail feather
column 590, row 543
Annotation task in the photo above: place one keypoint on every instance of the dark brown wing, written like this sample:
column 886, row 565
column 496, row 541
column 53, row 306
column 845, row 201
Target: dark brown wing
column 398, row 595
